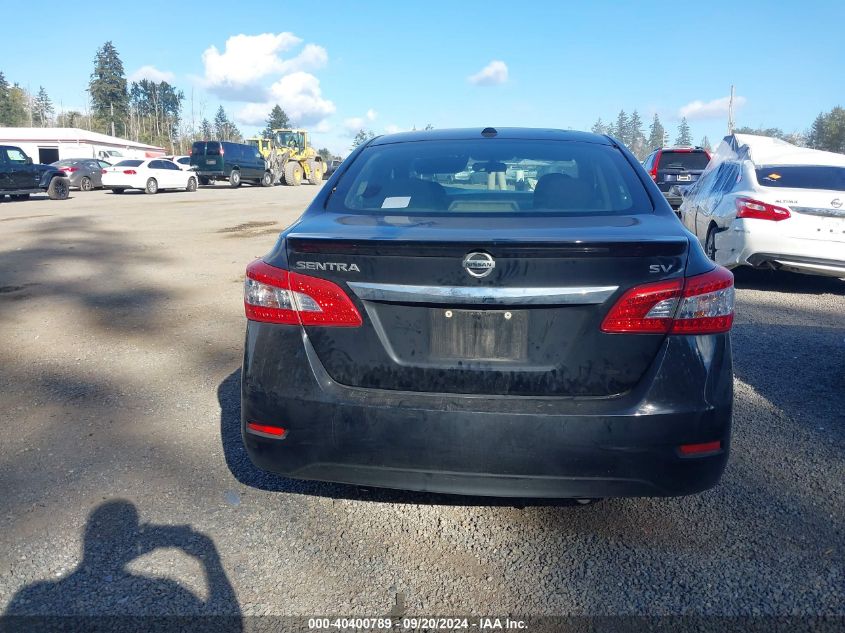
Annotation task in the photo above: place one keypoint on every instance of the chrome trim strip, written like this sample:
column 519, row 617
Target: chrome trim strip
column 401, row 293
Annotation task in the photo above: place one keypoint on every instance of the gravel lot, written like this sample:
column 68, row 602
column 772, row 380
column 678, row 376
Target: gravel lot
column 121, row 326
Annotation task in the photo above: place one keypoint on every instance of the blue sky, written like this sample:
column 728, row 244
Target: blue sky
column 393, row 65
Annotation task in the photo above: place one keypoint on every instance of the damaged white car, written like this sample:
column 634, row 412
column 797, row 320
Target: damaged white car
column 766, row 203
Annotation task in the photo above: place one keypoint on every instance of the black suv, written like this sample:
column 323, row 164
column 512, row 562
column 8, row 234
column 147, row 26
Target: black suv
column 675, row 167
column 19, row 176
column 235, row 162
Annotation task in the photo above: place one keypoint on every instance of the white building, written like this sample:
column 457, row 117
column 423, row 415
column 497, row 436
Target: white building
column 49, row 144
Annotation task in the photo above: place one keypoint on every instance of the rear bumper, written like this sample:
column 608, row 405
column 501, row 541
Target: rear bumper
column 490, row 445
column 761, row 244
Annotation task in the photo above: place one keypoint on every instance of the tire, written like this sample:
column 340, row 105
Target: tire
column 118, row 190
column 235, row 179
column 59, row 189
column 85, row 184
column 710, row 242
column 267, row 179
column 316, row 169
column 192, row 184
column 293, row 174
column 204, row 181
column 152, row 186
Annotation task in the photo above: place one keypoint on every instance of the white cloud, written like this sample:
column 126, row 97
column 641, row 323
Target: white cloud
column 715, row 109
column 298, row 94
column 392, row 128
column 151, row 73
column 242, row 71
column 496, row 72
column 355, row 123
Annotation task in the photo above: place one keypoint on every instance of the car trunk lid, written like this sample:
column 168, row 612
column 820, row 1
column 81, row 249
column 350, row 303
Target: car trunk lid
column 526, row 323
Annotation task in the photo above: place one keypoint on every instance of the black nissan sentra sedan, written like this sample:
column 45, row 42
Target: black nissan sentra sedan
column 505, row 312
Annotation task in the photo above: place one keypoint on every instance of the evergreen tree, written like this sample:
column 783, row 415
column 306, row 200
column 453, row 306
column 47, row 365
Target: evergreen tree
column 224, row 129
column 14, row 101
column 684, row 134
column 71, row 118
column 42, row 108
column 278, row 120
column 205, row 130
column 636, row 138
column 362, row 137
column 155, row 111
column 620, row 129
column 828, row 131
column 107, row 87
column 325, row 153
column 705, row 143
column 599, row 127
column 656, row 134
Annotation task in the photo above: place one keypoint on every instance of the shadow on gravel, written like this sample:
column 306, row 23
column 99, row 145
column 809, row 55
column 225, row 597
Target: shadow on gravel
column 229, row 397
column 792, row 283
column 102, row 585
column 108, row 280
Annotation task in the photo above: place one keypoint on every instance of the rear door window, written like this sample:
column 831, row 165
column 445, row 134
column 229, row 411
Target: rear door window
column 683, row 160
column 129, row 163
column 802, row 177
column 483, row 176
column 198, row 148
column 212, row 148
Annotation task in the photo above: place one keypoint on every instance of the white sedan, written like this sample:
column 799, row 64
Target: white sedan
column 182, row 162
column 150, row 175
column 768, row 204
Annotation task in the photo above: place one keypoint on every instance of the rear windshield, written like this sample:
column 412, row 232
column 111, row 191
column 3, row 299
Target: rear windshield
column 491, row 176
column 802, row 177
column 683, row 160
column 198, row 148
column 128, row 163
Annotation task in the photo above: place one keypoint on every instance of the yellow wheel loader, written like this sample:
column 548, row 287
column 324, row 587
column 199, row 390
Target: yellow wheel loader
column 291, row 157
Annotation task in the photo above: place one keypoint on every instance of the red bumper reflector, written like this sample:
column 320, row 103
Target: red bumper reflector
column 265, row 429
column 698, row 449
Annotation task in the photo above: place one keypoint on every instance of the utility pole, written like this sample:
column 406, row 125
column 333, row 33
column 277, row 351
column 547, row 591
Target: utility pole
column 731, row 113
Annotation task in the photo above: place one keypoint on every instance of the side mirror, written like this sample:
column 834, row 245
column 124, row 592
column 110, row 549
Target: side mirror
column 27, row 161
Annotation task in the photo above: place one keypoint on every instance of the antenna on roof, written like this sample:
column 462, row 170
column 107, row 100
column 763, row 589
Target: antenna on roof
column 731, row 112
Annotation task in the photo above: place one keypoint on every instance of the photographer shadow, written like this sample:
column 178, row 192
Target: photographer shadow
column 102, row 586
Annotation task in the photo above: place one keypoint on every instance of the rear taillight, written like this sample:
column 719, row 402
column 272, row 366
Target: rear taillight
column 653, row 172
column 70, row 170
column 274, row 295
column 757, row 210
column 129, row 172
column 703, row 304
column 103, row 171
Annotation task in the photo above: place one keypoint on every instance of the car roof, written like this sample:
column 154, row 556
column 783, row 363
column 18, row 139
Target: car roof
column 463, row 134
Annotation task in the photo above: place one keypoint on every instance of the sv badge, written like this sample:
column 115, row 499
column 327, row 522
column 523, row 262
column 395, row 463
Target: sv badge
column 660, row 268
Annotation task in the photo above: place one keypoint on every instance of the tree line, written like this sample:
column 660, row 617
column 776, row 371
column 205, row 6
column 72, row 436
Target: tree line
column 145, row 111
column 827, row 132
column 630, row 130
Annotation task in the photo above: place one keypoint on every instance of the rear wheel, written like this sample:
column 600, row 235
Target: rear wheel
column 710, row 242
column 267, row 179
column 192, row 184
column 316, row 169
column 59, row 189
column 235, row 178
column 293, row 174
column 152, row 186
column 85, row 184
